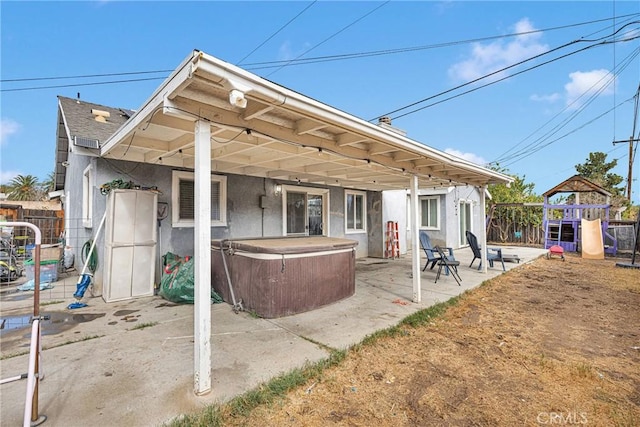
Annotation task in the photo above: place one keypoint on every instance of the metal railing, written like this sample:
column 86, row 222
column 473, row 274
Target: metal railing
column 34, row 373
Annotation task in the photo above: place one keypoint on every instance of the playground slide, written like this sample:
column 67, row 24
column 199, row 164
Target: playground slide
column 592, row 243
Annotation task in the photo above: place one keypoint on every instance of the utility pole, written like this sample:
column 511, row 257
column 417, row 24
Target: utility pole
column 630, row 172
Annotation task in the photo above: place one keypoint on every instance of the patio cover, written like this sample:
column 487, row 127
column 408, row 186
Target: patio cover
column 271, row 131
column 211, row 116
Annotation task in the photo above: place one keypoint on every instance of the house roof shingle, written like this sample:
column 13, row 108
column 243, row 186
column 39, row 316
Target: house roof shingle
column 82, row 123
column 76, row 119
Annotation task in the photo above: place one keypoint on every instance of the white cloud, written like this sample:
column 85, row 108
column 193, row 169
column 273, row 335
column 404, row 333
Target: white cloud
column 442, row 7
column 471, row 157
column 284, row 53
column 490, row 57
column 287, row 53
column 546, row 98
column 7, row 176
column 8, row 127
column 584, row 84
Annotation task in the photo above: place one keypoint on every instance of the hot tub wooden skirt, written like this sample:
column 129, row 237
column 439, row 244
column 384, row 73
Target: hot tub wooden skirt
column 284, row 276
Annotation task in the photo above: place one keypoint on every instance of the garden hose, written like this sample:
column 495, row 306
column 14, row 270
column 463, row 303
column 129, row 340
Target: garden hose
column 93, row 258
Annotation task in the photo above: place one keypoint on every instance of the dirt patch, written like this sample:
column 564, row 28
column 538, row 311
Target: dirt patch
column 551, row 343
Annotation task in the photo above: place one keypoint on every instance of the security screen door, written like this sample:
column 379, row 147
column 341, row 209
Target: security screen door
column 305, row 213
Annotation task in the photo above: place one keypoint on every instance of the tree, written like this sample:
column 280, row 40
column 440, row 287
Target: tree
column 518, row 192
column 597, row 169
column 509, row 214
column 48, row 185
column 24, row 187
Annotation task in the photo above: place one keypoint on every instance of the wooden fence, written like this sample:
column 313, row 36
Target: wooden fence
column 506, row 228
column 49, row 221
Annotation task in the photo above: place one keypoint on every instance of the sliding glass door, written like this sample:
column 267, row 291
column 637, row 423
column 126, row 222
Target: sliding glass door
column 305, row 211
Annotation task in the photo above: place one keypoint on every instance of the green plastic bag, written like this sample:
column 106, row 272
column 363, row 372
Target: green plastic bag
column 178, row 280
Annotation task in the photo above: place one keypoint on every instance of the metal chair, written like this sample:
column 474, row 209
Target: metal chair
column 431, row 253
column 450, row 265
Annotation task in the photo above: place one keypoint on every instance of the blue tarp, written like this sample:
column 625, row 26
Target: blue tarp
column 31, row 286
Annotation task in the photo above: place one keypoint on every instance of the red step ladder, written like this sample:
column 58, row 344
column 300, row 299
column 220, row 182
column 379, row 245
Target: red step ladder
column 392, row 241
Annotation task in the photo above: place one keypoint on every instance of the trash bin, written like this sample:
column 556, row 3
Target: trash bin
column 48, row 270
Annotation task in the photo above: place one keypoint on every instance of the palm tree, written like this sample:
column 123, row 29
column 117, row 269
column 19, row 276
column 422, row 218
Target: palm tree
column 23, row 187
column 48, row 185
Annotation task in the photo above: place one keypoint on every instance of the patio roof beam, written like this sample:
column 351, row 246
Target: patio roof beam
column 232, row 119
column 303, row 126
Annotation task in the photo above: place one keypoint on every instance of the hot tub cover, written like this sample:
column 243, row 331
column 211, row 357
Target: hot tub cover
column 286, row 245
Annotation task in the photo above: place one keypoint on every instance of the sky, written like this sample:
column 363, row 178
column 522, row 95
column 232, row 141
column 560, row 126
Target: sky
column 532, row 86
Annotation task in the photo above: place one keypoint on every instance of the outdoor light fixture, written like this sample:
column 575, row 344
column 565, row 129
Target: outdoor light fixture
column 237, row 99
column 278, row 189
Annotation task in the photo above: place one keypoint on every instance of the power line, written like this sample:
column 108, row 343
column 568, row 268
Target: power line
column 280, row 29
column 330, row 37
column 541, row 146
column 536, row 145
column 82, row 84
column 304, row 61
column 297, row 61
column 581, row 40
column 492, row 82
column 84, row 76
column 505, row 157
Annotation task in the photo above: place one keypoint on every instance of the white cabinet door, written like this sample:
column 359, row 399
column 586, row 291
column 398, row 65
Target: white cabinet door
column 130, row 244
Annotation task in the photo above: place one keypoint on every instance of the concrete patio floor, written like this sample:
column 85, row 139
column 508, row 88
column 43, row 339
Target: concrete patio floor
column 102, row 370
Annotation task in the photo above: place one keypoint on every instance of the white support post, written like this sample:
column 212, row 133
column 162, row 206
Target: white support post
column 202, row 259
column 483, row 234
column 415, row 241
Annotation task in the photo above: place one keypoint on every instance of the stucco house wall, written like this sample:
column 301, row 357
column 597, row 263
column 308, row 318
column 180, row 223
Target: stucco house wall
column 245, row 215
column 448, row 233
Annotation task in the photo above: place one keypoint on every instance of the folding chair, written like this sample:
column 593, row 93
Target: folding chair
column 449, row 264
column 430, row 252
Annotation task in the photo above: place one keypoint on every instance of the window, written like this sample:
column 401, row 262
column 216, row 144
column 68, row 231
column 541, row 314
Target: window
column 87, row 197
column 355, row 211
column 183, row 199
column 430, row 212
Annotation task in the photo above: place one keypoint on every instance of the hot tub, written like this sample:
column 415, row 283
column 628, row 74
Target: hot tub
column 277, row 277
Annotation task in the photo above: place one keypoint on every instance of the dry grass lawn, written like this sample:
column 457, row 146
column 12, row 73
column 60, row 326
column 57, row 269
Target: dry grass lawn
column 552, row 343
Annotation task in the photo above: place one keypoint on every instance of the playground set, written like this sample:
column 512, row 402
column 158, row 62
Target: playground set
column 578, row 227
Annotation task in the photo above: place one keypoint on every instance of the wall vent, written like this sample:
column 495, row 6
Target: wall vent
column 79, row 141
